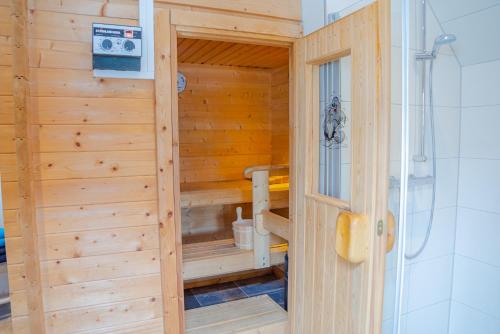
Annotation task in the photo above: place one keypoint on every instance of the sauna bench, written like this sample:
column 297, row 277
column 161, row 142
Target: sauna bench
column 219, row 257
column 245, row 316
column 201, row 194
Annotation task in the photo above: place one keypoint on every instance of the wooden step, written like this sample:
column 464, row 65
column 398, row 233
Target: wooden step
column 229, row 192
column 213, row 258
column 256, row 315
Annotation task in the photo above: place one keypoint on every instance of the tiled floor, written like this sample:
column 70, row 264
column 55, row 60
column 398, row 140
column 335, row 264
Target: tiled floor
column 221, row 293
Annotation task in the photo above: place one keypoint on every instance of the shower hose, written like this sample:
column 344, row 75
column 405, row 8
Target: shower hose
column 433, row 142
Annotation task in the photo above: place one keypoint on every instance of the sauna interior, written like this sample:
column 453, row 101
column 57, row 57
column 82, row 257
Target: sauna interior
column 233, row 118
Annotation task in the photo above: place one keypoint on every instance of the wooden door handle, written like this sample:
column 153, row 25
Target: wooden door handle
column 352, row 237
column 391, row 231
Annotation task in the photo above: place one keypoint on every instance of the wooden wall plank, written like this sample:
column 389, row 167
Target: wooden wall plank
column 288, row 9
column 80, row 110
column 21, row 81
column 5, row 80
column 96, row 191
column 6, row 110
column 279, row 115
column 74, row 165
column 105, row 315
column 91, row 268
column 7, row 139
column 233, row 23
column 96, row 293
column 168, row 185
column 67, row 27
column 8, row 168
column 154, row 326
column 96, row 217
column 85, row 138
column 81, row 83
column 11, row 224
column 225, row 122
column 104, row 8
column 90, row 243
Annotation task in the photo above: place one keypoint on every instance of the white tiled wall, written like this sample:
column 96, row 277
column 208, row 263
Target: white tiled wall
column 427, row 292
column 475, row 306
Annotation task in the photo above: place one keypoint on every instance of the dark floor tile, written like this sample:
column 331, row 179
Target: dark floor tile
column 213, row 288
column 221, row 296
column 278, row 296
column 190, row 302
column 4, row 311
column 261, row 285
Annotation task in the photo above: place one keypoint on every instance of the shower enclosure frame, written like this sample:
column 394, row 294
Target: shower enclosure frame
column 404, row 172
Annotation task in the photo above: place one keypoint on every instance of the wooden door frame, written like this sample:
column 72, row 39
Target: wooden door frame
column 169, row 25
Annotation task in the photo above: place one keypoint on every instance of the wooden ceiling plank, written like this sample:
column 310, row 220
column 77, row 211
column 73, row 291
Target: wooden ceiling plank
column 218, row 50
column 195, row 57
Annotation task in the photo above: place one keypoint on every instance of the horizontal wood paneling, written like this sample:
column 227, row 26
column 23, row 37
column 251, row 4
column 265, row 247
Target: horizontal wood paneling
column 67, row 27
column 69, row 165
column 90, row 243
column 10, row 193
column 289, row 9
column 84, row 138
column 97, row 217
column 105, row 315
column 154, row 326
column 96, row 293
column 6, row 110
column 81, row 83
column 12, row 227
column 5, row 80
column 234, row 23
column 8, row 170
column 224, row 122
column 96, row 191
column 279, row 115
column 91, row 268
column 106, row 8
column 7, row 139
column 80, row 110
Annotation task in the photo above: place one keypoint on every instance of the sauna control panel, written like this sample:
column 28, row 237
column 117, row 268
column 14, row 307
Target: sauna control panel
column 116, row 47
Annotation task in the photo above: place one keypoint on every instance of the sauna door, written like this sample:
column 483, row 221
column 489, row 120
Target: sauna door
column 341, row 178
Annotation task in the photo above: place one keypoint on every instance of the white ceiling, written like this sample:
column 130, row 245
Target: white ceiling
column 476, row 24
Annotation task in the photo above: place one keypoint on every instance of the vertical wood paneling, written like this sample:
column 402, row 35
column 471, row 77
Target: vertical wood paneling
column 340, row 297
column 25, row 171
column 169, row 229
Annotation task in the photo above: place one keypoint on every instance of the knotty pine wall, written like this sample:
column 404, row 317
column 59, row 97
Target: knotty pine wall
column 95, row 172
column 225, row 127
column 95, row 177
column 280, row 115
column 224, row 122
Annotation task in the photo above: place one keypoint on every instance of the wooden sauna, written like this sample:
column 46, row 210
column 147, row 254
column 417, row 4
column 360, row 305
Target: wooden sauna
column 117, row 192
column 233, row 115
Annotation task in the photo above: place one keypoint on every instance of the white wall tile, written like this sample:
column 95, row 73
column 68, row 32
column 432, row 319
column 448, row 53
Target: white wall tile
column 480, row 184
column 478, row 236
column 429, row 320
column 466, row 320
column 442, row 237
column 480, row 84
column 446, row 82
column 480, row 135
column 476, row 35
column 430, row 282
column 446, row 10
column 477, row 284
column 446, row 186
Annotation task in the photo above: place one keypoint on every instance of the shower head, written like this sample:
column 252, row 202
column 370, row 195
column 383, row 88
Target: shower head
column 442, row 40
